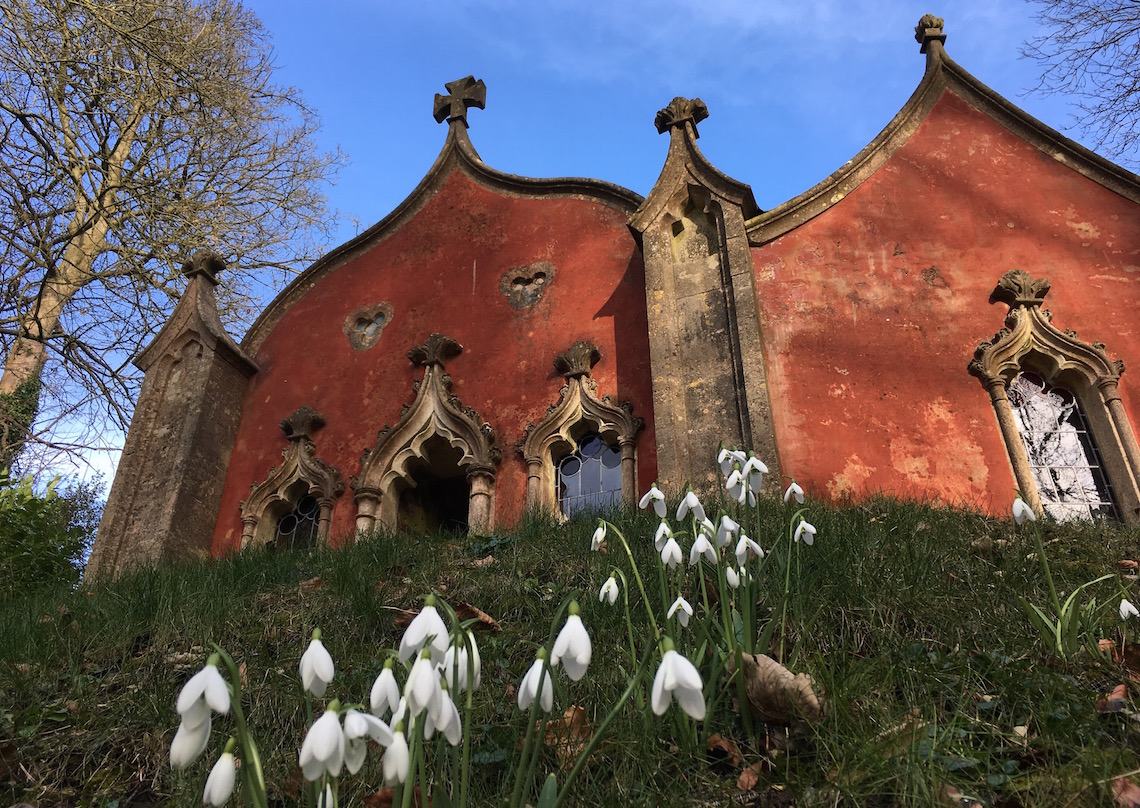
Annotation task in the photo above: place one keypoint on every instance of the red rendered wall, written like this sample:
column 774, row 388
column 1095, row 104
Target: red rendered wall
column 440, row 271
column 873, row 308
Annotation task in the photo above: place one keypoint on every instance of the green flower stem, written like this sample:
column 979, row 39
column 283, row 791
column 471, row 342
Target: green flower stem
column 415, row 757
column 1048, row 574
column 628, row 617
column 637, row 576
column 600, row 732
column 253, row 777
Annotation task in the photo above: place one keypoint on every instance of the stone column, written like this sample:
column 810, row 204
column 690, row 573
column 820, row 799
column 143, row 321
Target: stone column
column 481, row 502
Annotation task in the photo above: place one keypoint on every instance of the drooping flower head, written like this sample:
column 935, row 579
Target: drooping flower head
column 794, row 490
column 572, row 646
column 731, row 577
column 317, row 668
column 358, row 728
column 702, row 547
column 754, row 470
column 1128, row 609
column 677, row 678
column 671, row 554
column 220, row 783
column 725, row 530
column 422, row 690
column 396, row 760
column 746, row 546
column 448, row 721
column 322, row 751
column 735, row 486
column 682, row 609
column 1022, row 512
column 427, row 628
column 385, row 695
column 806, row 531
column 609, row 591
column 528, row 688
column 599, row 539
column 203, row 694
column 663, row 532
column 656, row 498
column 690, row 504
column 454, row 665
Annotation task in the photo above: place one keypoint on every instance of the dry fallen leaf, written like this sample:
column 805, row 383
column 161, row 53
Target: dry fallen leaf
column 383, row 798
column 723, row 749
column 569, row 735
column 465, row 611
column 1128, row 566
column 775, row 694
column 750, row 776
column 483, row 562
column 1126, row 792
column 311, row 585
column 950, row 795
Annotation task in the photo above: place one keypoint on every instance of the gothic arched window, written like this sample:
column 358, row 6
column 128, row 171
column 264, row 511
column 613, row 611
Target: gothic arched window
column 1063, row 456
column 590, row 478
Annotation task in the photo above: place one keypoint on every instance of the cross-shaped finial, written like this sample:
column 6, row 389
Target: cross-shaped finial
column 462, row 93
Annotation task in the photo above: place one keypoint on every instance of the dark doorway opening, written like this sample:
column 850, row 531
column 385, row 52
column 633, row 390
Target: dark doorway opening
column 437, row 495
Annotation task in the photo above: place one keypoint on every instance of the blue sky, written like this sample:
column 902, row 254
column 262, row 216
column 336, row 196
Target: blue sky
column 794, row 89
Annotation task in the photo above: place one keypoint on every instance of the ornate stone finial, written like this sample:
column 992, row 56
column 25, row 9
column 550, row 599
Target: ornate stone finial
column 436, row 351
column 462, row 94
column 1018, row 288
column 680, row 110
column 577, row 360
column 929, row 29
column 204, row 262
column 302, row 424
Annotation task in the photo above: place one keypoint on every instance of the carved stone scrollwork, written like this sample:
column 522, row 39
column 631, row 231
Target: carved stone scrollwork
column 680, row 110
column 1030, row 340
column 435, row 413
column 301, row 472
column 579, row 410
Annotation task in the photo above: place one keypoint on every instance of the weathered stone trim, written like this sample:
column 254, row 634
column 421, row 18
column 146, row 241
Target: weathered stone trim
column 1029, row 340
column 300, row 473
column 579, row 410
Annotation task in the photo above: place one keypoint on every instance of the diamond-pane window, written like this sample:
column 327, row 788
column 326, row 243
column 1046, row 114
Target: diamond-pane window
column 1067, row 465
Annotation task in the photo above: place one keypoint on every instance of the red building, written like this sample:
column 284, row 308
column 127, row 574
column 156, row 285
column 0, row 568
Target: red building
column 499, row 343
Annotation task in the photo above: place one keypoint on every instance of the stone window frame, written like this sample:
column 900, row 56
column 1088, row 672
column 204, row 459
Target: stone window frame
column 1029, row 341
column 301, row 472
column 435, row 412
column 578, row 411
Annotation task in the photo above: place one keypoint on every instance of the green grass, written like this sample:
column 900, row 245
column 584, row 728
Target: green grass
column 907, row 616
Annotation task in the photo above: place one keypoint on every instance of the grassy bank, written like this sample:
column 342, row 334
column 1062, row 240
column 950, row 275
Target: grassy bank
column 907, row 617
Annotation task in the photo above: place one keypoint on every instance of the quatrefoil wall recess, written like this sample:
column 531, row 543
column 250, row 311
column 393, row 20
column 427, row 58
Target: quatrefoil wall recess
column 523, row 286
column 364, row 326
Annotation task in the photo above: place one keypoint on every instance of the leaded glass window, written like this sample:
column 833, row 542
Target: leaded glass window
column 299, row 528
column 1066, row 463
column 589, row 479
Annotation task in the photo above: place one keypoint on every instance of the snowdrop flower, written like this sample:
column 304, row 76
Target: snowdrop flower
column 794, row 490
column 654, row 495
column 671, row 554
column 316, row 666
column 727, row 528
column 599, row 536
column 1022, row 512
column 1128, row 609
column 448, row 721
column 690, row 504
column 454, row 665
column 220, row 783
column 427, row 627
column 609, row 591
column 422, row 690
column 189, row 742
column 754, row 470
column 682, row 609
column 745, row 575
column 528, row 689
column 323, row 748
column 663, row 532
column 385, row 695
column 702, row 547
column 358, row 728
column 327, row 798
column 731, row 577
column 572, row 646
column 204, row 691
column 396, row 760
column 735, row 487
column 677, row 678
column 727, row 458
column 805, row 531
column 744, row 546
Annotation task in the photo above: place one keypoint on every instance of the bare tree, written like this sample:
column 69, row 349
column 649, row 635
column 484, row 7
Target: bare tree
column 1092, row 53
column 133, row 132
